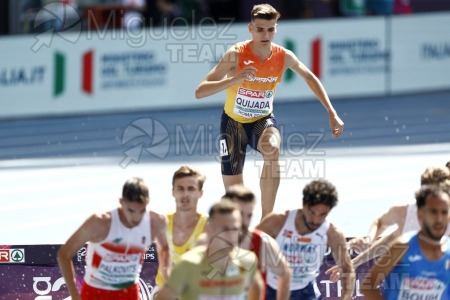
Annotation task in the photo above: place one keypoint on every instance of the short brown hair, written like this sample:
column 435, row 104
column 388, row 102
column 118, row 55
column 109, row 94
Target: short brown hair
column 265, row 12
column 223, row 207
column 186, row 171
column 136, row 190
column 238, row 192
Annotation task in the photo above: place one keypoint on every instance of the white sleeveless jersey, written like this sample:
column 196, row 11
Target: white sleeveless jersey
column 303, row 252
column 116, row 262
column 412, row 222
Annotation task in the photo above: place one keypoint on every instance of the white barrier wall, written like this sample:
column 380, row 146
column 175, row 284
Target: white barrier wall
column 421, row 53
column 95, row 73
column 67, row 73
column 349, row 56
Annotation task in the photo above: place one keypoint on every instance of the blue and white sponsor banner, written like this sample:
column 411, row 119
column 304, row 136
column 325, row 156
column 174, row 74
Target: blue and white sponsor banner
column 160, row 68
column 421, row 53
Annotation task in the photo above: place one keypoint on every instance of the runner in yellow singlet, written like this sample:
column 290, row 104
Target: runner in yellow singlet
column 186, row 223
column 249, row 72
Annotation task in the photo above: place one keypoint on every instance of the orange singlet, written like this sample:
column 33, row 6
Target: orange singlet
column 253, row 99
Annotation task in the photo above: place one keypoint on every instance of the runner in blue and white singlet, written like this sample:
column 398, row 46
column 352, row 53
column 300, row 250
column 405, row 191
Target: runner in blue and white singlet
column 416, row 277
column 418, row 267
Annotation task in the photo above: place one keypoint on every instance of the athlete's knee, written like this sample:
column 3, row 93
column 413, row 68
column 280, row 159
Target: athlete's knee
column 270, row 145
column 270, row 141
column 270, row 151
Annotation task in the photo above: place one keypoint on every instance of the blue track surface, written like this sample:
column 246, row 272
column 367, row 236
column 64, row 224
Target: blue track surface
column 403, row 120
column 56, row 171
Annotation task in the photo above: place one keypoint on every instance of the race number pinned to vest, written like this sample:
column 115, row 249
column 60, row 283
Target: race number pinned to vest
column 253, row 103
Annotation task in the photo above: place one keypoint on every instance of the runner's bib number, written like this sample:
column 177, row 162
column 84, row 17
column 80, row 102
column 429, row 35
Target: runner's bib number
column 253, row 103
column 421, row 288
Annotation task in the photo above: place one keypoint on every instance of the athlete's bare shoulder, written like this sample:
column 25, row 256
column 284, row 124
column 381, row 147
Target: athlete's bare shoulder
column 232, row 54
column 335, row 235
column 97, row 226
column 158, row 219
column 101, row 218
column 240, row 45
column 395, row 215
column 272, row 223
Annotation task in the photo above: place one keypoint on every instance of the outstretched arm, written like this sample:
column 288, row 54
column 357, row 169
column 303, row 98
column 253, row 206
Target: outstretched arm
column 381, row 269
column 293, row 63
column 380, row 247
column 395, row 216
column 218, row 79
